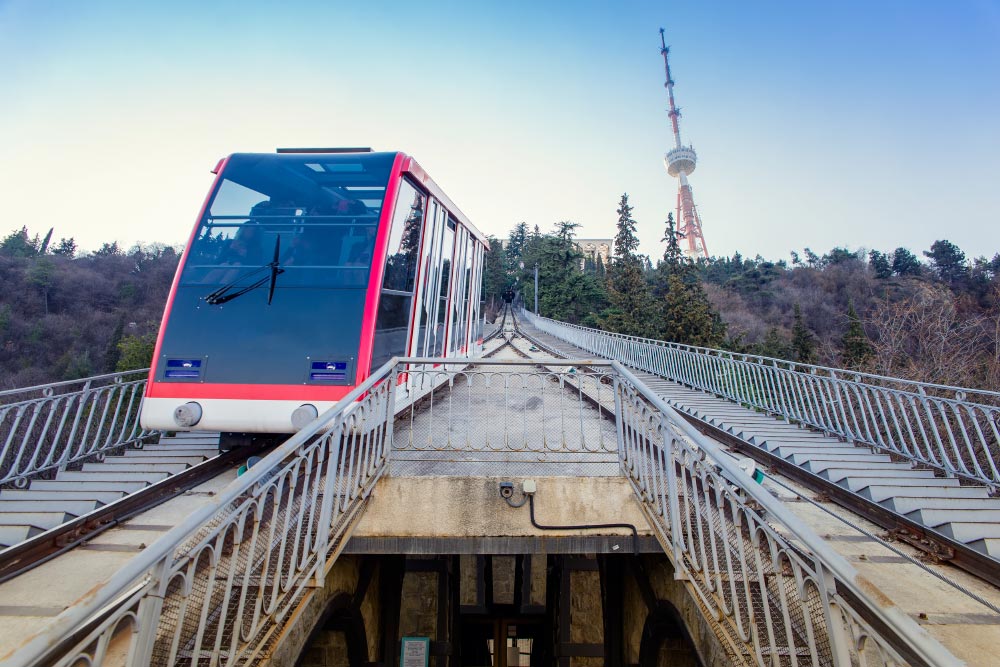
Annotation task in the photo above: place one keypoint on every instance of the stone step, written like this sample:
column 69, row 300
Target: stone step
column 989, row 546
column 104, row 497
column 113, row 466
column 899, row 472
column 188, row 450
column 11, row 535
column 785, row 449
column 155, row 457
column 969, row 531
column 88, row 485
column 43, row 520
column 905, row 505
column 75, row 507
column 112, row 476
column 859, row 483
column 819, row 465
column 801, row 458
column 939, row 517
column 885, row 492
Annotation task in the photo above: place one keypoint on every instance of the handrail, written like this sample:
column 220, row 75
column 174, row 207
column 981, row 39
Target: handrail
column 217, row 584
column 47, row 427
column 792, row 365
column 955, row 435
column 64, row 383
column 680, row 472
column 176, row 556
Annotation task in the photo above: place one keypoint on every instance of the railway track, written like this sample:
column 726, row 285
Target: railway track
column 126, row 498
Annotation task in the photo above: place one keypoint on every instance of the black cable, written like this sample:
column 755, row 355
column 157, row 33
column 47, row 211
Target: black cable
column 583, row 526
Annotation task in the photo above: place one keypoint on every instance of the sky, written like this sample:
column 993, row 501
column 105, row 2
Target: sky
column 863, row 124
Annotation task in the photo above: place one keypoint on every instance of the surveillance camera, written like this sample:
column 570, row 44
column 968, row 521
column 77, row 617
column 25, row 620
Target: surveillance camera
column 506, row 489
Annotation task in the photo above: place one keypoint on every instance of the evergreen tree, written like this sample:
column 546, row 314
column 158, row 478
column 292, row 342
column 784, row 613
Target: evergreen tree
column 497, row 277
column 881, row 264
column 113, row 352
column 515, row 245
column 136, row 352
column 905, row 263
column 949, row 262
column 685, row 315
column 774, row 345
column 565, row 292
column 628, row 292
column 857, row 347
column 43, row 248
column 803, row 341
column 19, row 244
column 65, row 247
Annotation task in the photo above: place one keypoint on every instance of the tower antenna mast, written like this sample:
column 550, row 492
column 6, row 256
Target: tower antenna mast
column 681, row 161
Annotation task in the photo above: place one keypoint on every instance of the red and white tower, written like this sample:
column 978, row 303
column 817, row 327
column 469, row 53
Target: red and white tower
column 680, row 162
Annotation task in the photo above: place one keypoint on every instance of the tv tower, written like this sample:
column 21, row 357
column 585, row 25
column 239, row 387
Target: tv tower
column 680, row 162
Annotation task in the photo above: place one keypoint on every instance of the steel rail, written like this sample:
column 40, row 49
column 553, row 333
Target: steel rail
column 954, row 435
column 41, row 548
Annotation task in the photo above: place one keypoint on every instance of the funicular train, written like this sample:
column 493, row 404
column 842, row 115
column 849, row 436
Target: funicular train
column 307, row 270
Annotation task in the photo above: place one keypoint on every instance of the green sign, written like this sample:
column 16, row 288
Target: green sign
column 415, row 652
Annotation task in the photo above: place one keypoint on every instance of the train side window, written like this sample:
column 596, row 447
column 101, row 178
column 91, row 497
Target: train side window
column 396, row 299
column 447, row 253
column 404, row 240
column 431, row 253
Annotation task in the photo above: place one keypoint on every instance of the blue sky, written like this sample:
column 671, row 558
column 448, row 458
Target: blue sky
column 863, row 124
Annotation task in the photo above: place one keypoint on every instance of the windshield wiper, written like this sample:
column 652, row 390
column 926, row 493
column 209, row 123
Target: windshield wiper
column 223, row 294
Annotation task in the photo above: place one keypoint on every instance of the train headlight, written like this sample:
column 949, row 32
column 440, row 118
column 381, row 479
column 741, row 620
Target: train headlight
column 302, row 415
column 187, row 415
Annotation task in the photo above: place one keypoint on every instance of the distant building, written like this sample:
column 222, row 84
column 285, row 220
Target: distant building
column 595, row 248
column 589, row 248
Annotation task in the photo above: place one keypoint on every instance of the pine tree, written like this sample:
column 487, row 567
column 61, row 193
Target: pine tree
column 684, row 313
column 628, row 292
column 803, row 341
column 515, row 245
column 857, row 348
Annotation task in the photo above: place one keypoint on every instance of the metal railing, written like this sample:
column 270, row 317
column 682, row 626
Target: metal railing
column 485, row 417
column 48, row 427
column 216, row 588
column 773, row 600
column 219, row 588
column 933, row 425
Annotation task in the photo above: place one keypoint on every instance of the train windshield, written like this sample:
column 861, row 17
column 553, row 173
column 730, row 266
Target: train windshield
column 319, row 213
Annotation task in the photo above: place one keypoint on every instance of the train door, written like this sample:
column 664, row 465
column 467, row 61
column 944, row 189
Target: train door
column 457, row 336
column 478, row 304
column 447, row 281
column 426, row 334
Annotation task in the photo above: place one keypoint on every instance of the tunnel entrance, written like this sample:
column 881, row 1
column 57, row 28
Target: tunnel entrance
column 504, row 610
column 502, row 642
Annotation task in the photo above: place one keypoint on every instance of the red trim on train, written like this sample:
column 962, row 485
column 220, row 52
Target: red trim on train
column 378, row 270
column 260, row 392
column 153, row 388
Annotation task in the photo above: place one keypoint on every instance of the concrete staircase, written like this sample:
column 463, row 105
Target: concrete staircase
column 964, row 513
column 46, row 504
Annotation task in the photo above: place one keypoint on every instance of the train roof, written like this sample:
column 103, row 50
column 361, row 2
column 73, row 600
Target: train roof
column 409, row 166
